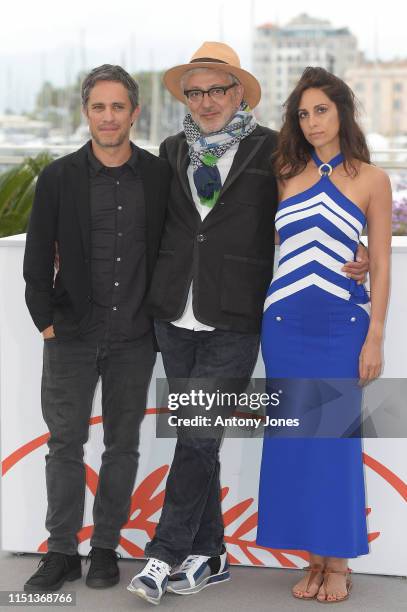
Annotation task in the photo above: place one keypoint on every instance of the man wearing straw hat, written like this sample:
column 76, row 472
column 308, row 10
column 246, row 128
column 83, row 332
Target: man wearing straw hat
column 215, row 264
column 207, row 294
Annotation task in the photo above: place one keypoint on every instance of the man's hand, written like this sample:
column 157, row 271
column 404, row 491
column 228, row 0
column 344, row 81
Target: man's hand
column 48, row 332
column 358, row 269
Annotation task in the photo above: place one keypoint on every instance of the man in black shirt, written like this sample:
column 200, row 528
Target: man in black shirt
column 102, row 210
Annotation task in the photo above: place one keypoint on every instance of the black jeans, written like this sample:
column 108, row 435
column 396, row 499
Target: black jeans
column 71, row 370
column 191, row 520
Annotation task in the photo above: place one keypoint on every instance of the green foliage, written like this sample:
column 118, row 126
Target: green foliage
column 61, row 106
column 17, row 187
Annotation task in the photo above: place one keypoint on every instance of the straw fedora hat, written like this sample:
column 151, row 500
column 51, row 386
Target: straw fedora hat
column 220, row 57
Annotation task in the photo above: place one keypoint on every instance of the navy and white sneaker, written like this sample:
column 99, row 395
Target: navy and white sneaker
column 151, row 583
column 197, row 573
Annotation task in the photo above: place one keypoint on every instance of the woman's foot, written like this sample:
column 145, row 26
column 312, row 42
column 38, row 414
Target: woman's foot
column 337, row 583
column 308, row 586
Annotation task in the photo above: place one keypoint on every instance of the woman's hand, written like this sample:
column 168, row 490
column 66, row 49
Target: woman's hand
column 370, row 360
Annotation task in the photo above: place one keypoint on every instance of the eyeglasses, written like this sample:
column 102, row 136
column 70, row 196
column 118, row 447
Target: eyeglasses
column 215, row 93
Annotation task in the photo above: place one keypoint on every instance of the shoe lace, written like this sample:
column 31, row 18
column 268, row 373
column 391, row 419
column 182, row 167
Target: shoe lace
column 101, row 556
column 156, row 569
column 50, row 562
column 190, row 562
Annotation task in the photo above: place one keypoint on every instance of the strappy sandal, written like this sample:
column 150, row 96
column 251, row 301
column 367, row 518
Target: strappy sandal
column 314, row 569
column 327, row 573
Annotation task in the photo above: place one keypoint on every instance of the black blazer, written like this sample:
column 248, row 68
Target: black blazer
column 229, row 255
column 61, row 213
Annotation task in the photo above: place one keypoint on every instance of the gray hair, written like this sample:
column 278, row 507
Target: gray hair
column 233, row 80
column 108, row 72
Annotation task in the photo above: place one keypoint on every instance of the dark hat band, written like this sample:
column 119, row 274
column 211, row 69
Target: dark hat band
column 207, row 59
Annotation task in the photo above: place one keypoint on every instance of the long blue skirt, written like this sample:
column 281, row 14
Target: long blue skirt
column 312, row 494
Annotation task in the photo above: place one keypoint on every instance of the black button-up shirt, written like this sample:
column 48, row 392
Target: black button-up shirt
column 118, row 251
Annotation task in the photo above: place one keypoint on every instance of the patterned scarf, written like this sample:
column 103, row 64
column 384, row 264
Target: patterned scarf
column 205, row 150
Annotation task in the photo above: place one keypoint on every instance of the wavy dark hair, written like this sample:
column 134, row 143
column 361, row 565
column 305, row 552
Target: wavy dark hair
column 294, row 151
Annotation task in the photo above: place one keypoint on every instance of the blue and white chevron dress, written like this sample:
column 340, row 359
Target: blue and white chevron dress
column 311, row 494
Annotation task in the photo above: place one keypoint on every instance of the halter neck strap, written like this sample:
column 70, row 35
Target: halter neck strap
column 325, row 168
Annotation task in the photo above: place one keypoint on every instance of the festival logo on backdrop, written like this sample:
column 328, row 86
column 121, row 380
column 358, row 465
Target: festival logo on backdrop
column 240, row 520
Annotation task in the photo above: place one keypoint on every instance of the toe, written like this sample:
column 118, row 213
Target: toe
column 321, row 594
column 335, row 596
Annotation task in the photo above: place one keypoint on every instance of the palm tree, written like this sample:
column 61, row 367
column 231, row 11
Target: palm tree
column 17, row 187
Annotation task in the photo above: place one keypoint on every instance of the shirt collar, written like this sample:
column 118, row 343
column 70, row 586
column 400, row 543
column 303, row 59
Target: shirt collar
column 95, row 166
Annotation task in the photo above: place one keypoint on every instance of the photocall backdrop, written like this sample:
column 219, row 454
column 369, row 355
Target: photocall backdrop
column 24, row 435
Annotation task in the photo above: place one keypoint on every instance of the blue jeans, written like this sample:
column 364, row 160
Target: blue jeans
column 191, row 520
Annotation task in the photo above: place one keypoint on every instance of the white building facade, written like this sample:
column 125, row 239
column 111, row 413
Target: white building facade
column 381, row 89
column 280, row 55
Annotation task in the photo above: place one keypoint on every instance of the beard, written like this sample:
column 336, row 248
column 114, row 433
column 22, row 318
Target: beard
column 107, row 141
column 212, row 126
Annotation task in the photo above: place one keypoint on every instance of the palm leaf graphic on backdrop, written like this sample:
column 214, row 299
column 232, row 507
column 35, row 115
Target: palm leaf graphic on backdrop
column 148, row 499
column 17, row 187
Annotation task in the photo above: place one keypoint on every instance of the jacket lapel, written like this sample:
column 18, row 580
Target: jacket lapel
column 151, row 185
column 182, row 167
column 79, row 183
column 247, row 149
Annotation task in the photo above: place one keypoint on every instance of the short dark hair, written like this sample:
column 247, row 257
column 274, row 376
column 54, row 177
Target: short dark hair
column 109, row 72
column 294, row 150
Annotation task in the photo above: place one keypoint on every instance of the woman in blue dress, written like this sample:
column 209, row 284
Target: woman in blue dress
column 320, row 324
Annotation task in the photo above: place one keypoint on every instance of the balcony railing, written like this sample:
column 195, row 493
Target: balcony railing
column 14, row 154
column 394, row 161
column 11, row 155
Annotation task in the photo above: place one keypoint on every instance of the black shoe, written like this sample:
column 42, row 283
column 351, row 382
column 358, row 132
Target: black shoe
column 104, row 571
column 54, row 569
